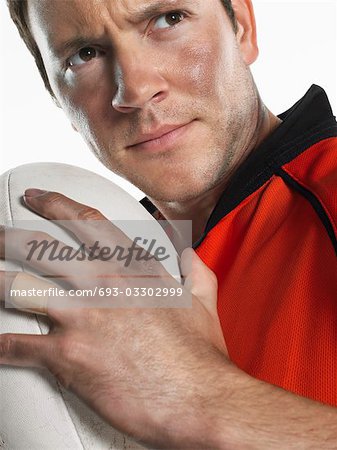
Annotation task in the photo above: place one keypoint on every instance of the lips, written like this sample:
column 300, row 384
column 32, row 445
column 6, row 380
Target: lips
column 160, row 136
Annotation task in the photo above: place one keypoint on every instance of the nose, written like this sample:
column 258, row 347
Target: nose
column 139, row 81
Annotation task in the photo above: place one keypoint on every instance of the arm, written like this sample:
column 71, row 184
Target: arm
column 163, row 375
column 245, row 413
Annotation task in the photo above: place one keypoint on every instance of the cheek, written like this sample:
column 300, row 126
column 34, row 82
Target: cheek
column 194, row 67
column 90, row 112
column 85, row 97
column 85, row 113
column 76, row 113
column 206, row 68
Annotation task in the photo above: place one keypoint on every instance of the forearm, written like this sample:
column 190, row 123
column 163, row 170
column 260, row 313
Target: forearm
column 238, row 412
column 262, row 416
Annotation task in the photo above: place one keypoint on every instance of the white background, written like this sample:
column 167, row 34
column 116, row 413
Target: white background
column 298, row 47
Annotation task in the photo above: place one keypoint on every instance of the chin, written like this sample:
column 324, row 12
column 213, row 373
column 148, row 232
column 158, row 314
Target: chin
column 177, row 182
column 176, row 193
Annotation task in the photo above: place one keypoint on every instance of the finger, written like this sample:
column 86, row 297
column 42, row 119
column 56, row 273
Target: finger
column 83, row 221
column 101, row 238
column 86, row 224
column 6, row 279
column 47, row 255
column 34, row 295
column 30, row 294
column 26, row 350
column 199, row 279
column 202, row 283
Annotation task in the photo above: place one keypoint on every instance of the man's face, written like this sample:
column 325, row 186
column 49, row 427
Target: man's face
column 160, row 90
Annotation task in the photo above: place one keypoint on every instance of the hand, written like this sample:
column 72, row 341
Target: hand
column 142, row 369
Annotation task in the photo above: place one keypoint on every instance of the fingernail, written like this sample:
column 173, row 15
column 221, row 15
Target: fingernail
column 34, row 192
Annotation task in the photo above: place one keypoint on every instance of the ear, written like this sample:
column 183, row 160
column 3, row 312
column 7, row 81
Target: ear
column 246, row 33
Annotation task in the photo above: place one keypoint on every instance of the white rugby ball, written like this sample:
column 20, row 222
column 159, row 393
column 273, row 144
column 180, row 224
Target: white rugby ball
column 36, row 412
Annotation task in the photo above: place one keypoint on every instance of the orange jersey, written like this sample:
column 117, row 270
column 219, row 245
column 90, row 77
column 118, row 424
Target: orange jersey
column 274, row 253
column 271, row 241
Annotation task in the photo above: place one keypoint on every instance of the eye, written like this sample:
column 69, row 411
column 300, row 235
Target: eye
column 83, row 56
column 168, row 20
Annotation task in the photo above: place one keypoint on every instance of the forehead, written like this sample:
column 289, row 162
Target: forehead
column 87, row 11
column 59, row 20
column 60, row 25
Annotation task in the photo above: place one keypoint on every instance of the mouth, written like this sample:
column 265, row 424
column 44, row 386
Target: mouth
column 161, row 139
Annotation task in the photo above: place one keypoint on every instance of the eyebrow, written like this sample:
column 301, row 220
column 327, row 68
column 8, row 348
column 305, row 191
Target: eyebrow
column 152, row 9
column 138, row 16
column 71, row 45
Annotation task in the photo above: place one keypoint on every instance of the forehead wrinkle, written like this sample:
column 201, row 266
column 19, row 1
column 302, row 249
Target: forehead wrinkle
column 88, row 20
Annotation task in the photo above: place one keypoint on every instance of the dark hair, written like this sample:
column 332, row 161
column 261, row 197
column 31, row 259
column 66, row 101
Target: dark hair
column 18, row 13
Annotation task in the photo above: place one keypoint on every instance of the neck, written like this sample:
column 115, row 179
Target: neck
column 199, row 209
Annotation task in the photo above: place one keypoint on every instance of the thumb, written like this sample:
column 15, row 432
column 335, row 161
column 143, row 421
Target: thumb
column 200, row 280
